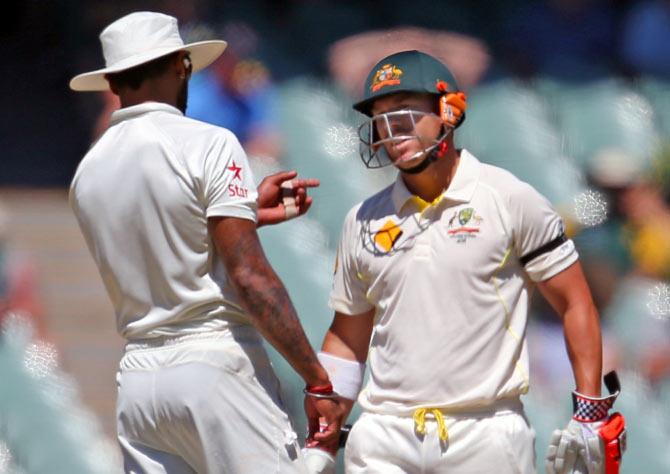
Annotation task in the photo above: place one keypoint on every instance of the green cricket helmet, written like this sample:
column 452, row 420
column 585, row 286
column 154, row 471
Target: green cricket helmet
column 407, row 71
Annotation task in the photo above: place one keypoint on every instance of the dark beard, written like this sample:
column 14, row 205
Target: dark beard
column 182, row 97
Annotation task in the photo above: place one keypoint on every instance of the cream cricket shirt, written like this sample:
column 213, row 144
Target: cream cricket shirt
column 450, row 285
column 142, row 196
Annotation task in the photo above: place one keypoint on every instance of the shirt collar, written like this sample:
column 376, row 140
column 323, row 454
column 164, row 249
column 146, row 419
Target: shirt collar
column 461, row 188
column 139, row 109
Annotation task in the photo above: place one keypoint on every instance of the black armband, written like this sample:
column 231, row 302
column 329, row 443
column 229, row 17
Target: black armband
column 546, row 248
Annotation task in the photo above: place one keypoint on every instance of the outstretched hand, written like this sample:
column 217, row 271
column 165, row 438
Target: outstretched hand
column 281, row 197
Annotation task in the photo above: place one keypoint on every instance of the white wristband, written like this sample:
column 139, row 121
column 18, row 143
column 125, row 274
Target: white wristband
column 345, row 375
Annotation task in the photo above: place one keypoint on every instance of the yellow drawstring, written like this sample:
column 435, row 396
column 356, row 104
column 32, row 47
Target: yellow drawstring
column 420, row 422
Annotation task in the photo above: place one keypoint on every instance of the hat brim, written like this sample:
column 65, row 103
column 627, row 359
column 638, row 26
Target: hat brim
column 203, row 53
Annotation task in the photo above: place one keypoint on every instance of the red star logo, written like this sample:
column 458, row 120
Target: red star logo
column 237, row 170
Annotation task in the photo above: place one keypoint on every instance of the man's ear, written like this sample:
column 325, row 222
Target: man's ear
column 184, row 64
column 186, row 61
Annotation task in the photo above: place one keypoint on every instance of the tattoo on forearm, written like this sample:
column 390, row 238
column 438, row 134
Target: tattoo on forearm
column 267, row 302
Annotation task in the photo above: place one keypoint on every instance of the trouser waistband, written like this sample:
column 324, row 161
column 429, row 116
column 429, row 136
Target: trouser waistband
column 506, row 405
column 241, row 333
column 501, row 407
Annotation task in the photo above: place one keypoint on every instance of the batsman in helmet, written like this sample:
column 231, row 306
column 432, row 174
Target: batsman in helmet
column 431, row 289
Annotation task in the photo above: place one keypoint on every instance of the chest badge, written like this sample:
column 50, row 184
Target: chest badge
column 464, row 224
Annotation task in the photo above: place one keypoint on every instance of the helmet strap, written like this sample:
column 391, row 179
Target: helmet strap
column 421, row 166
column 438, row 151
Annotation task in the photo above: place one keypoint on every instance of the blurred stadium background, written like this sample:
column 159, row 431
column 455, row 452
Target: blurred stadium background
column 573, row 96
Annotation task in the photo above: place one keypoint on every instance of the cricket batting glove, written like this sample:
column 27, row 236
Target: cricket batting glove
column 593, row 442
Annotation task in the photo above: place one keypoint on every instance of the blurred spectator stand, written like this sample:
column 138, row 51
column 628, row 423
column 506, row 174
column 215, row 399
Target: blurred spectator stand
column 237, row 93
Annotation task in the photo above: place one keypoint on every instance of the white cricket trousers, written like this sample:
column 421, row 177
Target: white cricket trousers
column 205, row 403
column 498, row 442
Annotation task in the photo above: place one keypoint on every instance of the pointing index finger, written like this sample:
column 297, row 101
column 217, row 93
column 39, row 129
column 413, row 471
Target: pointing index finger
column 281, row 176
column 305, row 183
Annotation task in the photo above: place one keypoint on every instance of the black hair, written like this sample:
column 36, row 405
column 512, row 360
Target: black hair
column 134, row 77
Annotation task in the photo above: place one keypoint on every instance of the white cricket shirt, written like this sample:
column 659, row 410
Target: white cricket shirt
column 449, row 287
column 142, row 196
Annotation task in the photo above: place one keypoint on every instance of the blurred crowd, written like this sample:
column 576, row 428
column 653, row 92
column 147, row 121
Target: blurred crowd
column 19, row 291
column 46, row 43
column 571, row 95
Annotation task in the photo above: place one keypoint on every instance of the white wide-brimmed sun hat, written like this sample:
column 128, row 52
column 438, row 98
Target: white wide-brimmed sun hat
column 141, row 37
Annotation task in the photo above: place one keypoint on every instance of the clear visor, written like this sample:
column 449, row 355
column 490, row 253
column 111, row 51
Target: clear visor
column 403, row 137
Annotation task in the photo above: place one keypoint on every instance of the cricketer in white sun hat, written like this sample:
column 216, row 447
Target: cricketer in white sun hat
column 141, row 37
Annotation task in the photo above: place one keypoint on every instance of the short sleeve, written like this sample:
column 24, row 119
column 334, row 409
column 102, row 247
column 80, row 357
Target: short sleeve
column 229, row 183
column 348, row 295
column 540, row 242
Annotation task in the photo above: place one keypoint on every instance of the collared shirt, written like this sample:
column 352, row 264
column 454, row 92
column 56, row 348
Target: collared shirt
column 142, row 196
column 449, row 282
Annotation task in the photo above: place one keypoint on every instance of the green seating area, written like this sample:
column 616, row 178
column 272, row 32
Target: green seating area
column 44, row 427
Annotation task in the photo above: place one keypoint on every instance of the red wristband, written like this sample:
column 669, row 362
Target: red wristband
column 325, row 389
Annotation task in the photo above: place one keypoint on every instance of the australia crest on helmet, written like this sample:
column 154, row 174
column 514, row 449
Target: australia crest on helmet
column 387, row 75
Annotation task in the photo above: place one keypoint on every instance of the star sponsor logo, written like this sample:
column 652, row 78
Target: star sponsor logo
column 237, row 170
column 237, row 191
column 464, row 224
column 233, row 189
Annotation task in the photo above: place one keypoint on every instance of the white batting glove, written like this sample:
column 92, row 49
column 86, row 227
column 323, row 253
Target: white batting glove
column 576, row 449
column 593, row 442
column 562, row 452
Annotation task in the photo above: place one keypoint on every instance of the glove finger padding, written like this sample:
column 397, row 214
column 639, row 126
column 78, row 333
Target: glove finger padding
column 590, row 446
column 580, row 467
column 593, row 454
column 562, row 453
